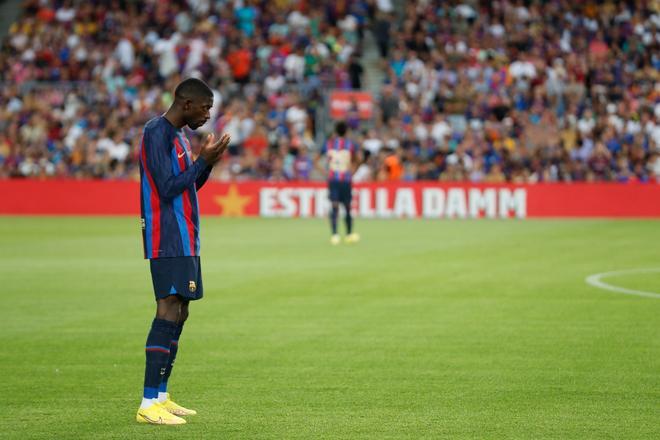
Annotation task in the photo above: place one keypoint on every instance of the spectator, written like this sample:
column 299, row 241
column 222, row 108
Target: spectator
column 355, row 71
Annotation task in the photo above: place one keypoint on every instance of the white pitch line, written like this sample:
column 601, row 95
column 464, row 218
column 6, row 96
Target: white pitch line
column 595, row 280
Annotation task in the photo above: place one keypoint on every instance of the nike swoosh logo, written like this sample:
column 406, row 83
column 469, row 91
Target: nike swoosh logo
column 180, row 155
column 149, row 419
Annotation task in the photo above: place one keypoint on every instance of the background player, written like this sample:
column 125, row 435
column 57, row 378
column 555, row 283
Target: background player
column 341, row 154
column 170, row 228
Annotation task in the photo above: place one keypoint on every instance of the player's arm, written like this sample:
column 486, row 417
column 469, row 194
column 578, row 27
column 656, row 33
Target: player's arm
column 157, row 158
column 201, row 180
column 323, row 154
column 213, row 151
column 356, row 160
column 159, row 164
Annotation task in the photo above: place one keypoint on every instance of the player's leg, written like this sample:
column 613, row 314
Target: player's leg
column 347, row 199
column 163, row 396
column 333, row 193
column 187, row 281
column 157, row 352
column 348, row 218
column 169, row 308
column 182, row 315
column 334, row 216
column 163, row 330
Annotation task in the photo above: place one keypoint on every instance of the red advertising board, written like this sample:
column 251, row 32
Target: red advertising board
column 342, row 101
column 303, row 199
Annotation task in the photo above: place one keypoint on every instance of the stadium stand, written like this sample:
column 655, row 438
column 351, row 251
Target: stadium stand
column 488, row 91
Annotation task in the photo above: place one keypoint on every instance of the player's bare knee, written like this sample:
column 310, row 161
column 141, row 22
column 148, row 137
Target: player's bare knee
column 166, row 314
column 184, row 312
column 168, row 308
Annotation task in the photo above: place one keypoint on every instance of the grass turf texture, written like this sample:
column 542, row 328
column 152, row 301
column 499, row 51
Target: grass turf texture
column 425, row 329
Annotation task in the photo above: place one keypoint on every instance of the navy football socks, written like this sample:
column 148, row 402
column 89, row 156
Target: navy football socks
column 334, row 212
column 174, row 347
column 157, row 352
column 349, row 220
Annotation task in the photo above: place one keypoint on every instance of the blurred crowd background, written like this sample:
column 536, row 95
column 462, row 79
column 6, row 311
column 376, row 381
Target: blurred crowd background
column 481, row 91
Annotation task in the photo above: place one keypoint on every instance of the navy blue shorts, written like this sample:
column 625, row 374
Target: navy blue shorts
column 340, row 192
column 177, row 276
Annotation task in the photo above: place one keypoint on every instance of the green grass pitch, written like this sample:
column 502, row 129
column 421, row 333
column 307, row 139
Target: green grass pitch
column 425, row 329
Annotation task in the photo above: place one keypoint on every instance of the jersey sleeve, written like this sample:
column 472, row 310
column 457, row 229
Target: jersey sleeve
column 157, row 160
column 201, row 180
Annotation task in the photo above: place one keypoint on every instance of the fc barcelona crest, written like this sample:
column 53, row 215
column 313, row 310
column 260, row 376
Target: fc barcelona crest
column 192, row 286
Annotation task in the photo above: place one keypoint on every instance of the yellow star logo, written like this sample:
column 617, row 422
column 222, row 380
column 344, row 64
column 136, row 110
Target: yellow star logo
column 233, row 203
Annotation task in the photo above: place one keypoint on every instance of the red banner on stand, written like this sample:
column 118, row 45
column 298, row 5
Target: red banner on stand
column 343, row 101
column 304, row 199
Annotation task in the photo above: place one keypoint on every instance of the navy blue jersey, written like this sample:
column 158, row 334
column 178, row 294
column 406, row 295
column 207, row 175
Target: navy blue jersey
column 168, row 192
column 340, row 152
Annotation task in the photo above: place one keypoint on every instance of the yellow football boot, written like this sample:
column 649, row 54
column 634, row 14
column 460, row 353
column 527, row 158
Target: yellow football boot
column 352, row 238
column 175, row 408
column 335, row 240
column 157, row 415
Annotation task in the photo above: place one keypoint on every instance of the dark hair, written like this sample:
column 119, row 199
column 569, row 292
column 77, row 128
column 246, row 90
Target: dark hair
column 341, row 128
column 192, row 88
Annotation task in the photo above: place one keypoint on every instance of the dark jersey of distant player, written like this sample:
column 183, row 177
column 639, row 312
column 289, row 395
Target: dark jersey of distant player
column 340, row 152
column 168, row 191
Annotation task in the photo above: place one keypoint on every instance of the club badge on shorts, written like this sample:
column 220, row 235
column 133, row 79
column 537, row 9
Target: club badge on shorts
column 192, row 286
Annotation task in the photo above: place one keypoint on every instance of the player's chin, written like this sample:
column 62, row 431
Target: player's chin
column 196, row 125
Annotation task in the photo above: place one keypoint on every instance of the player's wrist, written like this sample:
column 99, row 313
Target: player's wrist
column 203, row 162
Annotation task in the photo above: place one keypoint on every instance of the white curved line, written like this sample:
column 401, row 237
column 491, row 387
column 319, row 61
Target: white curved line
column 595, row 281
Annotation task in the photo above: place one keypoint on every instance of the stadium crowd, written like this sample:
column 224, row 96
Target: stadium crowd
column 490, row 91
